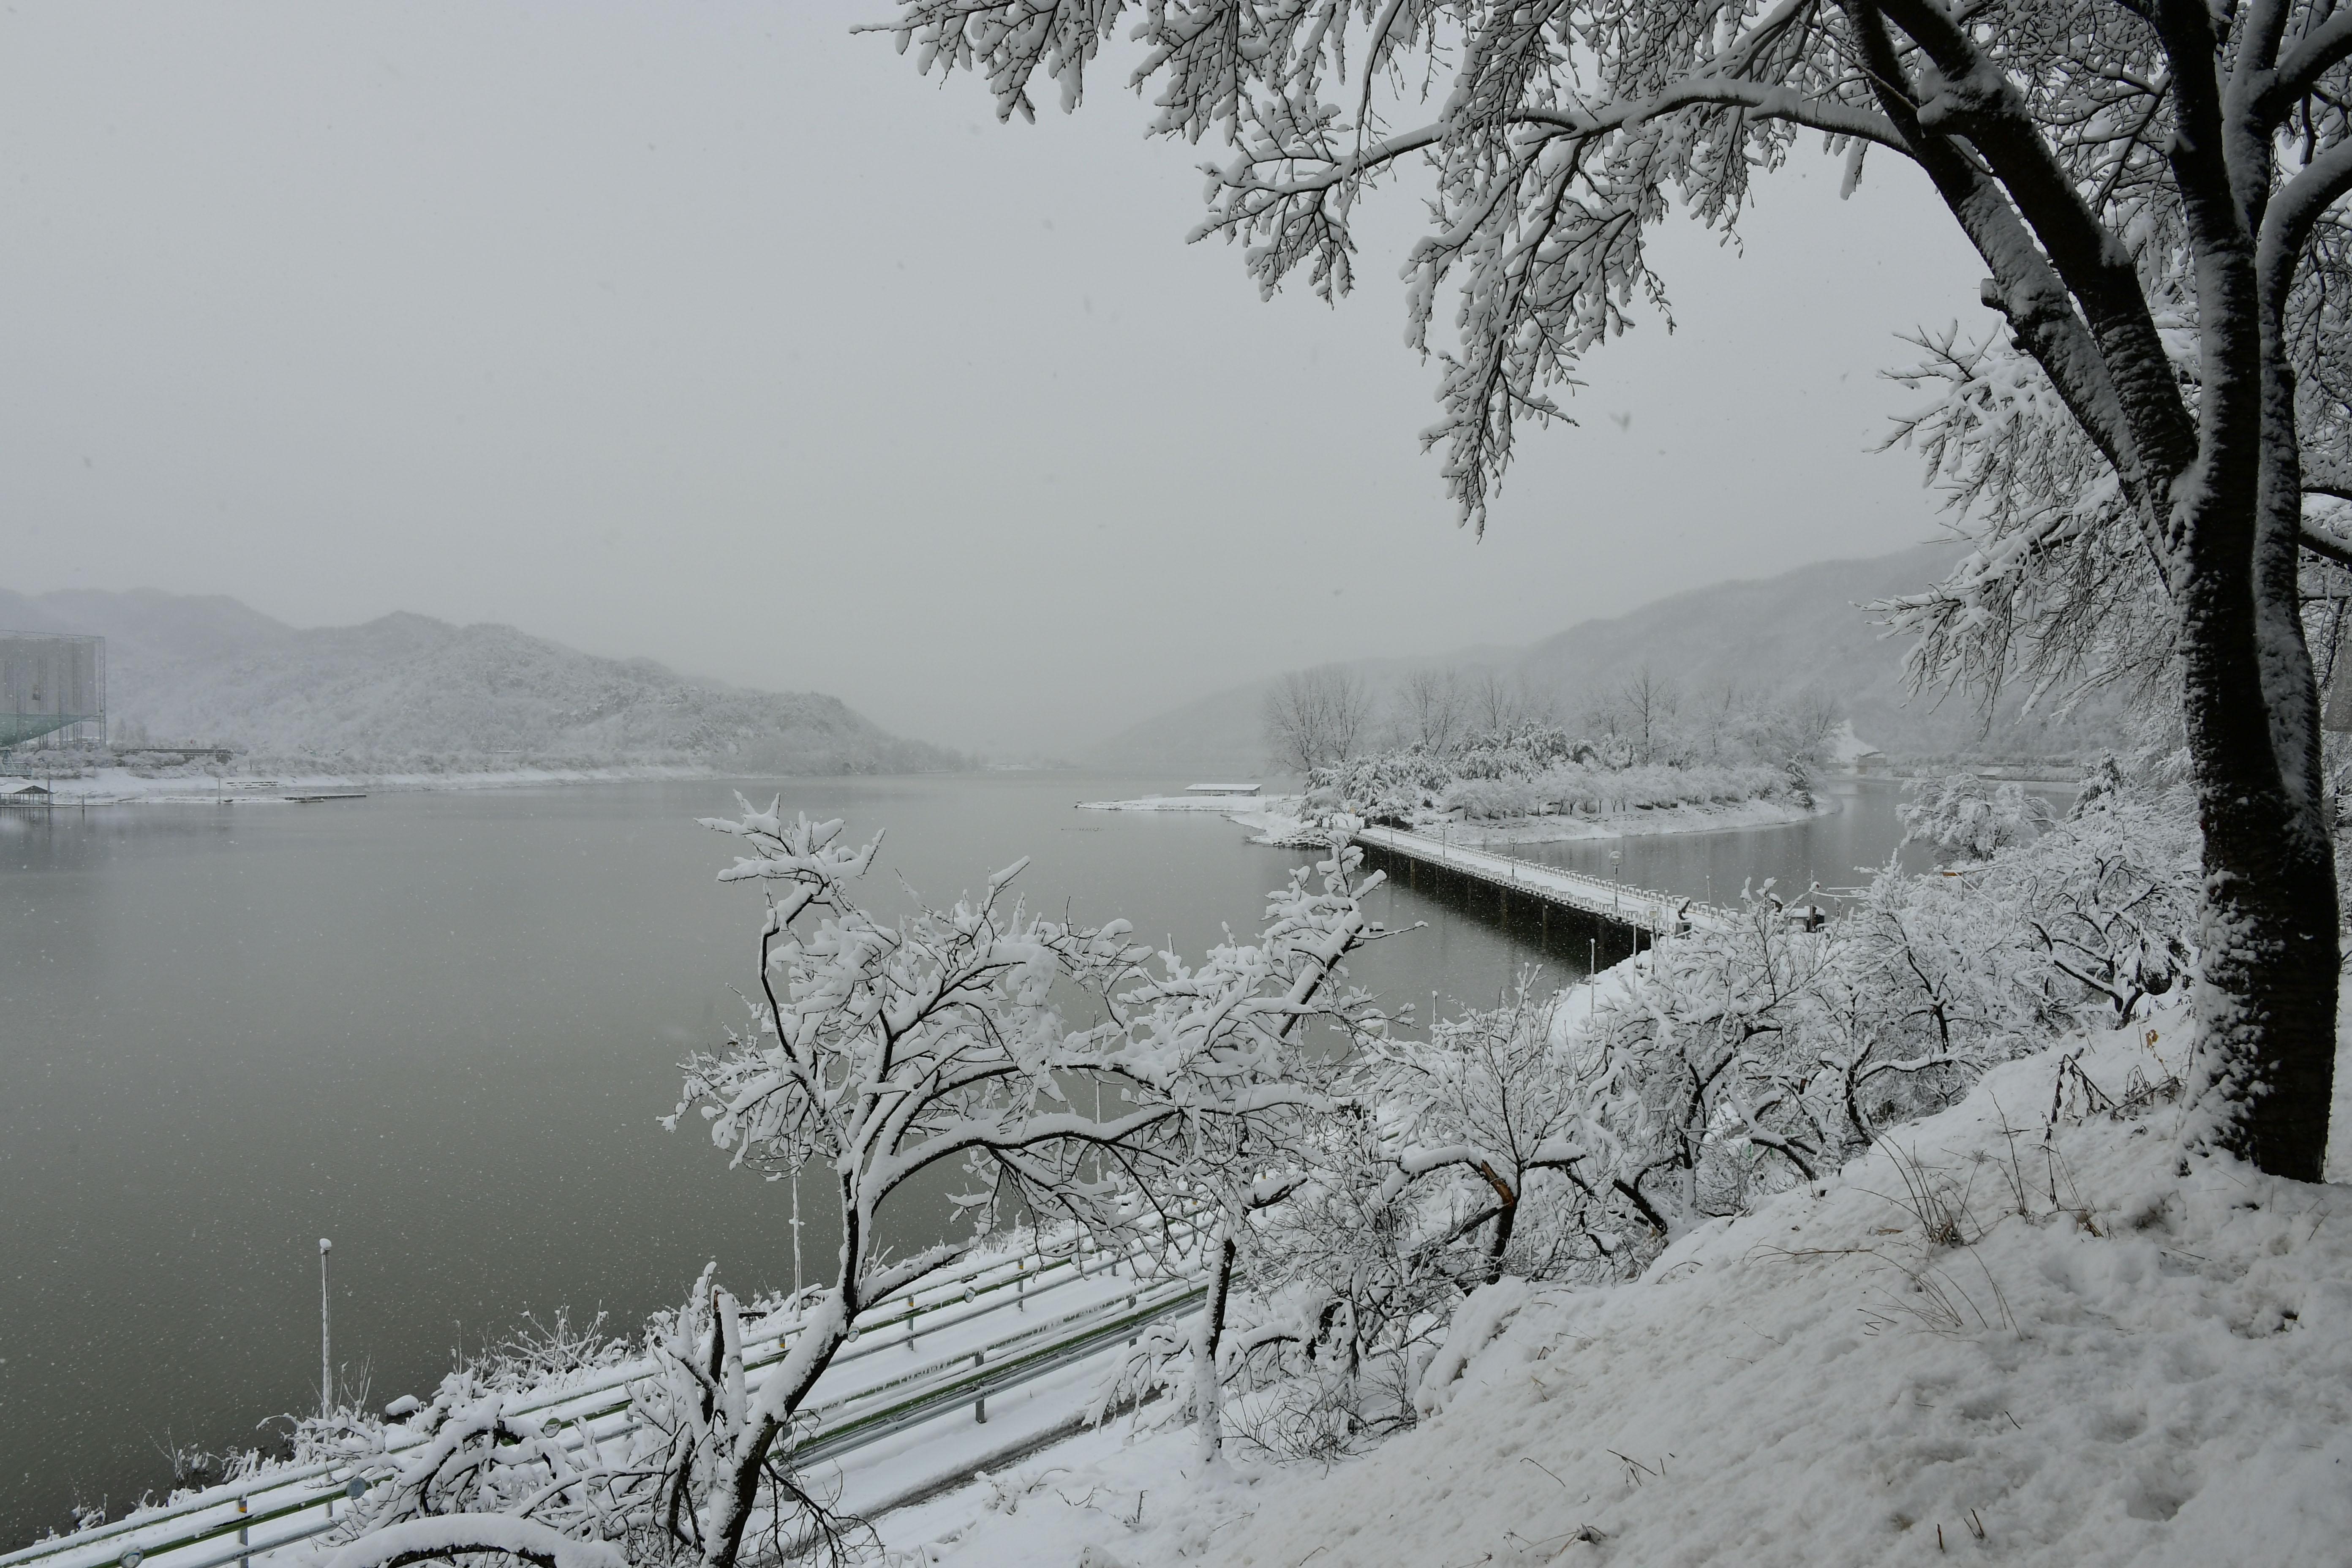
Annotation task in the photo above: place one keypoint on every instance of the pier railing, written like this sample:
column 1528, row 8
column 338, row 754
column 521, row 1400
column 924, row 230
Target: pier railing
column 1644, row 909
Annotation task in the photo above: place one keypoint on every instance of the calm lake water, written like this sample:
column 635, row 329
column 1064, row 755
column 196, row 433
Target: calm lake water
column 438, row 1028
column 1842, row 849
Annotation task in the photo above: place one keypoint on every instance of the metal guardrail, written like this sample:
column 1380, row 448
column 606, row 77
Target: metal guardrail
column 916, row 1408
column 843, row 1423
column 988, row 1380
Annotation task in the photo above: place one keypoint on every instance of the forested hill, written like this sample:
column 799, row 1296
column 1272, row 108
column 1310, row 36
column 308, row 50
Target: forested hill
column 1803, row 628
column 408, row 692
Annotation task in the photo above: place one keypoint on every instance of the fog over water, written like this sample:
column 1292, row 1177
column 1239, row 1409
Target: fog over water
column 717, row 335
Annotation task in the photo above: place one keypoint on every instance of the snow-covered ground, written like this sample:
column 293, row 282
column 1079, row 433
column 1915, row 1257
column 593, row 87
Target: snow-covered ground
column 1638, row 824
column 1974, row 1342
column 1279, row 820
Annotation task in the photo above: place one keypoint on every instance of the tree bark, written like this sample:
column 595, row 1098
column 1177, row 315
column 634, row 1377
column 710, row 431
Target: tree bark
column 2265, row 991
column 1207, row 1391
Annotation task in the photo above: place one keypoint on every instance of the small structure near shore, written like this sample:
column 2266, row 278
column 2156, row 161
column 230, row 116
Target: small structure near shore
column 1221, row 789
column 24, row 792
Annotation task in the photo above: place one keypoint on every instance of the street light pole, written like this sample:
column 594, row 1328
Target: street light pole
column 326, row 1356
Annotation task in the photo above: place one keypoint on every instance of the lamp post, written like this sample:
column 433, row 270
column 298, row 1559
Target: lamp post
column 326, row 1357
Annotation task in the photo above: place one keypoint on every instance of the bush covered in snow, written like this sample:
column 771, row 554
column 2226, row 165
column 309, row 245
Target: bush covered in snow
column 1590, row 790
column 1527, row 772
column 1573, row 1138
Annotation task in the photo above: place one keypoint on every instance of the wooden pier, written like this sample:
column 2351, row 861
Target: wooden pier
column 1550, row 905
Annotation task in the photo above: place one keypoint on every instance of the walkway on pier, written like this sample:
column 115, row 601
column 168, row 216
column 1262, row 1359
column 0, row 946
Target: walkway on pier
column 1641, row 909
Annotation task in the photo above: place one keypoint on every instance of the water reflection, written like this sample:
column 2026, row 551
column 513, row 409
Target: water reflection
column 1842, row 849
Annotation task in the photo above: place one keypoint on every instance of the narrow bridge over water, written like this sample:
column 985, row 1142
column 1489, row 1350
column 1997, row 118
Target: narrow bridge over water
column 1552, row 907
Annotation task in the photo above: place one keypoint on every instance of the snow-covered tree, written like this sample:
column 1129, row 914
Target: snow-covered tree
column 1504, row 1104
column 2155, row 187
column 880, row 1050
column 1968, row 819
column 884, row 1049
column 1441, row 1163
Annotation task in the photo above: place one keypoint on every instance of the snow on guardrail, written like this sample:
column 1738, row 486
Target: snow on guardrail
column 991, row 1326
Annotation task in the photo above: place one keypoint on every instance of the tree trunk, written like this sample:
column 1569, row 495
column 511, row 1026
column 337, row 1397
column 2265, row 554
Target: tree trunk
column 1207, row 1391
column 735, row 1490
column 2265, row 993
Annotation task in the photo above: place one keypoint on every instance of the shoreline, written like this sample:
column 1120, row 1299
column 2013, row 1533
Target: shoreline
column 1225, row 805
column 1282, row 829
column 1657, row 822
column 119, row 786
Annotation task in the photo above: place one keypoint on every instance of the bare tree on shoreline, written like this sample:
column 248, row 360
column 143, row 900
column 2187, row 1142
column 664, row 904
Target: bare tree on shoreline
column 1314, row 717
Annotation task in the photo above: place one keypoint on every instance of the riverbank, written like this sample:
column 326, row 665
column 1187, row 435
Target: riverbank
column 120, row 786
column 1277, row 822
column 1638, row 823
column 327, row 1020
column 1234, row 805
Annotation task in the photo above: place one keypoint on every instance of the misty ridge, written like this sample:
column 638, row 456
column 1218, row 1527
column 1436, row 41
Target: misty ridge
column 408, row 693
column 1808, row 630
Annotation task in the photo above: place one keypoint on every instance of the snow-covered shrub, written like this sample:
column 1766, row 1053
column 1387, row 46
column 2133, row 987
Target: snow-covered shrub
column 1520, row 752
column 2108, row 900
column 1488, row 799
column 1389, row 788
column 1579, row 788
column 1504, row 1106
column 1966, row 819
column 1439, row 1163
column 1764, row 1053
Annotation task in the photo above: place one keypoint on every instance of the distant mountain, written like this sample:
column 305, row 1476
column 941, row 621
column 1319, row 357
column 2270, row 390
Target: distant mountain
column 1802, row 628
column 408, row 691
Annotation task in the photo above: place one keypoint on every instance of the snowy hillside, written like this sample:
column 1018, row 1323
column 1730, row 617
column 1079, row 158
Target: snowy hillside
column 1799, row 630
column 1972, row 1343
column 1802, row 628
column 407, row 691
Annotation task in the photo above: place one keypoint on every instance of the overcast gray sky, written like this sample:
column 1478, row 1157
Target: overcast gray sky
column 715, row 334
